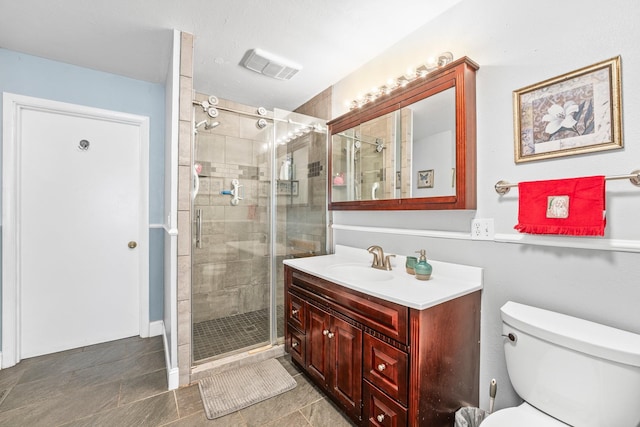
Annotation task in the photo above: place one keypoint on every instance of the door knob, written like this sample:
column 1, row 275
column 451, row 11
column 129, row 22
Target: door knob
column 132, row 244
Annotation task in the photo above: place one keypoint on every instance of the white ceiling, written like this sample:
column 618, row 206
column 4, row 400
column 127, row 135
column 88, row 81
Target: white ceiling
column 329, row 38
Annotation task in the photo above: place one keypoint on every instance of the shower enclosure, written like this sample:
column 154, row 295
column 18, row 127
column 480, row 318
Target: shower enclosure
column 259, row 196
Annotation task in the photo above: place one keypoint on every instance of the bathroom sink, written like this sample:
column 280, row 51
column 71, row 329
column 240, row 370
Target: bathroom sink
column 359, row 273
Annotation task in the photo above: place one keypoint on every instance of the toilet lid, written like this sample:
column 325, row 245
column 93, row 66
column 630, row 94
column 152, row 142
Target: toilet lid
column 524, row 415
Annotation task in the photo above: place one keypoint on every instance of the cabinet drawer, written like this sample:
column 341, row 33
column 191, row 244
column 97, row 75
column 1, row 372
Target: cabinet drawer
column 380, row 410
column 386, row 367
column 386, row 317
column 296, row 346
column 296, row 312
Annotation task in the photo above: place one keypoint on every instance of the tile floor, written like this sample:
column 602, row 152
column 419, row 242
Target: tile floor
column 215, row 337
column 123, row 383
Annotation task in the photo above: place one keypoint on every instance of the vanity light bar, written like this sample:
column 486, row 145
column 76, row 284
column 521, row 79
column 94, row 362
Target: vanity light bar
column 411, row 75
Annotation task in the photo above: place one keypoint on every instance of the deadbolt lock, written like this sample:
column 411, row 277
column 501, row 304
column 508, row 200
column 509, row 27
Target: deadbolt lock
column 132, row 244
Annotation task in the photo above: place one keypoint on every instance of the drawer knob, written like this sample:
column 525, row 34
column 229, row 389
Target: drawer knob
column 330, row 335
column 325, row 332
column 294, row 312
column 380, row 418
column 382, row 367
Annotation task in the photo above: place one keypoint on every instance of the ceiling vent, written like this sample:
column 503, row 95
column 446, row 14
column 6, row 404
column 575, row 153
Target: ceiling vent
column 270, row 65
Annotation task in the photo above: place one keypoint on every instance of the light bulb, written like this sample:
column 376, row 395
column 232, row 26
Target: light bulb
column 410, row 73
column 431, row 64
column 444, row 58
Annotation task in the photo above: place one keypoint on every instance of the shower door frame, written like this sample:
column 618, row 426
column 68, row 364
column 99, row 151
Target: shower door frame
column 272, row 312
column 272, row 217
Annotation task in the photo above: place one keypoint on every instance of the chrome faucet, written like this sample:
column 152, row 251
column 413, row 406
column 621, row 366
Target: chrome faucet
column 380, row 261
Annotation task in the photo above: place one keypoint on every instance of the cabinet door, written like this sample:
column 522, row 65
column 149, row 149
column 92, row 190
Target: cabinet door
column 318, row 344
column 346, row 360
column 380, row 410
column 295, row 312
column 296, row 346
column 387, row 368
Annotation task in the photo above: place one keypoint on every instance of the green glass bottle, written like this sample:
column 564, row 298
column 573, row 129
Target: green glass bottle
column 423, row 269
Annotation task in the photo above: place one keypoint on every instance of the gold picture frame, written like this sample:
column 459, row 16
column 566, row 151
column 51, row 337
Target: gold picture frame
column 578, row 112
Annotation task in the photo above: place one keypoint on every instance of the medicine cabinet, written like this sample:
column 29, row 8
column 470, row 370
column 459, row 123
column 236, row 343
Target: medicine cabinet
column 414, row 148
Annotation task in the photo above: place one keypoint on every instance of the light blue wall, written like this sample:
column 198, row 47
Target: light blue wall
column 33, row 76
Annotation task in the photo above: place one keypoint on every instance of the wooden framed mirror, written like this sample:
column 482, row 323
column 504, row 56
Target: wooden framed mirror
column 414, row 148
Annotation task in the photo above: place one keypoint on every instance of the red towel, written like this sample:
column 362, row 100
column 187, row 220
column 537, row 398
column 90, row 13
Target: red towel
column 572, row 206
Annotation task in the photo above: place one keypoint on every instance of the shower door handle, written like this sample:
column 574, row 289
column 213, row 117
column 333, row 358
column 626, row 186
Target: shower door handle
column 198, row 228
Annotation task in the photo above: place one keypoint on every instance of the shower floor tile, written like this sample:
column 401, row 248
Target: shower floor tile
column 219, row 336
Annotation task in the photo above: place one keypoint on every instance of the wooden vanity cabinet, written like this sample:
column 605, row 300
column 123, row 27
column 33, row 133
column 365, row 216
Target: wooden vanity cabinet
column 334, row 358
column 383, row 363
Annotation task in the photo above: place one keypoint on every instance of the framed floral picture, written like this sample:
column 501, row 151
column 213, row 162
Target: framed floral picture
column 578, row 112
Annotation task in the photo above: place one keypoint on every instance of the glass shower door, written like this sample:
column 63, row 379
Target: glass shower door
column 300, row 200
column 231, row 268
column 248, row 216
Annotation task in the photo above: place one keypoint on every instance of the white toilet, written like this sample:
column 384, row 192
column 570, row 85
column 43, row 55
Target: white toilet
column 568, row 371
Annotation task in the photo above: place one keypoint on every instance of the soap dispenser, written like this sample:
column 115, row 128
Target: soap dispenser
column 423, row 269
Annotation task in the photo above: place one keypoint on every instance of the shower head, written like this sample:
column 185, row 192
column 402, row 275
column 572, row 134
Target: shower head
column 206, row 124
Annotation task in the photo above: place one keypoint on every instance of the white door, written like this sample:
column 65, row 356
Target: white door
column 78, row 229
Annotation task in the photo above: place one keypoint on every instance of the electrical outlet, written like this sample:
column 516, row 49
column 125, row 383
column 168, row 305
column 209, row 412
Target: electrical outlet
column 482, row 229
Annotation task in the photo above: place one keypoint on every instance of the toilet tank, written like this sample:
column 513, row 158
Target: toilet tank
column 580, row 372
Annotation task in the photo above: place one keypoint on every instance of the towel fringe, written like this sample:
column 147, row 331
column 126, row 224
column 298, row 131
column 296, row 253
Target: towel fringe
column 550, row 229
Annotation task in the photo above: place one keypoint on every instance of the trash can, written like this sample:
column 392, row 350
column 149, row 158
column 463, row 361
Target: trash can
column 469, row 416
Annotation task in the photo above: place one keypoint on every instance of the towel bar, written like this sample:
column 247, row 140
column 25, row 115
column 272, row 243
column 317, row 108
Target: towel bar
column 503, row 187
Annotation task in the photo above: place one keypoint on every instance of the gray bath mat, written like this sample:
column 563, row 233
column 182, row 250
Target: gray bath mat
column 233, row 390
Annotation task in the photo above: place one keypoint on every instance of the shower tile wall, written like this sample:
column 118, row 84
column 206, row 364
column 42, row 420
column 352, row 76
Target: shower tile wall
column 230, row 272
column 184, row 212
column 319, row 106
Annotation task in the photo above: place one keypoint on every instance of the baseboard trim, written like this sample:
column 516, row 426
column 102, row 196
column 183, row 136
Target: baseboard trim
column 156, row 328
column 173, row 374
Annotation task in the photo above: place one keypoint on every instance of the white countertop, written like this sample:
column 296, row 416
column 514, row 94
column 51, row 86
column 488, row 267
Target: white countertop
column 448, row 281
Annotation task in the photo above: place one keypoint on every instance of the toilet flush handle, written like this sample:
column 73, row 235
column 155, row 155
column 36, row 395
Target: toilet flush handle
column 512, row 337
